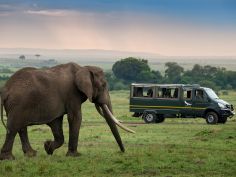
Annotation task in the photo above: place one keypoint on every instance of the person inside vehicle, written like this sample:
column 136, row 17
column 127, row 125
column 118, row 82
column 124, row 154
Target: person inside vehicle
column 150, row 92
column 168, row 93
column 163, row 92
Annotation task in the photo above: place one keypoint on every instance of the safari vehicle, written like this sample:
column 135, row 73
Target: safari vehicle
column 154, row 102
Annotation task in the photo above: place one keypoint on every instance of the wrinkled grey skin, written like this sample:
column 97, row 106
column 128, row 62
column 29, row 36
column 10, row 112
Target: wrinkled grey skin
column 42, row 96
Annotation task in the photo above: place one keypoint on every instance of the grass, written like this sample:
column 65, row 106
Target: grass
column 177, row 147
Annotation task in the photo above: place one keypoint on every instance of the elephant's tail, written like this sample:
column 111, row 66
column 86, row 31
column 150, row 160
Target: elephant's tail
column 2, row 114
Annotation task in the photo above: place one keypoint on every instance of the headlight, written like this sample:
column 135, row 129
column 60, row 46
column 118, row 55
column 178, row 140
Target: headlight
column 221, row 105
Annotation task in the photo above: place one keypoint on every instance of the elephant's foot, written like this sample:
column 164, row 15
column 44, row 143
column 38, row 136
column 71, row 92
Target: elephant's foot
column 73, row 153
column 30, row 153
column 7, row 156
column 48, row 146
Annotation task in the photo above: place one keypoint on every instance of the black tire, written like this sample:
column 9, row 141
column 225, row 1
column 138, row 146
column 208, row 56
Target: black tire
column 211, row 118
column 149, row 117
column 222, row 120
column 160, row 118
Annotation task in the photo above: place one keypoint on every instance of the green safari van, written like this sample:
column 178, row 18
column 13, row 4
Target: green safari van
column 154, row 102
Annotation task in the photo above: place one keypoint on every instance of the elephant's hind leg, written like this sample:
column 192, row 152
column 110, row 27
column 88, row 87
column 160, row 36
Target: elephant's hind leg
column 56, row 127
column 26, row 147
column 6, row 151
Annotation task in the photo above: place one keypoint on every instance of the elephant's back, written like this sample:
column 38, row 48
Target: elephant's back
column 17, row 84
column 20, row 78
column 29, row 80
column 33, row 92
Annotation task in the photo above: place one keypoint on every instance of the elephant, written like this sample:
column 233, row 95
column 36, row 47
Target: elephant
column 43, row 96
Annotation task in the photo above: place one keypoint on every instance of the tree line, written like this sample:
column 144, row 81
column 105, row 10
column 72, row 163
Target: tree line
column 128, row 70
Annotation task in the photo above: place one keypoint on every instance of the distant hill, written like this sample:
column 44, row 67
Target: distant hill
column 67, row 54
column 106, row 58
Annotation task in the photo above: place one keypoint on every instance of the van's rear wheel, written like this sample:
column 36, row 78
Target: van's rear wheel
column 149, row 117
column 160, row 118
column 222, row 120
column 211, row 118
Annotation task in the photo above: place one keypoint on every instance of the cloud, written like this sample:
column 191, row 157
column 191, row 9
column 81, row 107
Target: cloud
column 54, row 13
column 9, row 7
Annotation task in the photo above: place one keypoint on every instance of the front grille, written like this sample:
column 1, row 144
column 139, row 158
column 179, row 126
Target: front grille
column 231, row 107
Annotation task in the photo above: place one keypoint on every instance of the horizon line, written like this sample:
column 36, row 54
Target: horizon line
column 94, row 49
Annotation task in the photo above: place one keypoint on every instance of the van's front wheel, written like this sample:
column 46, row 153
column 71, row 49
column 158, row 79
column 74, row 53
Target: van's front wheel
column 149, row 117
column 211, row 118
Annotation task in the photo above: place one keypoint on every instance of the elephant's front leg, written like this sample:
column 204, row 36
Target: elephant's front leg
column 56, row 127
column 74, row 120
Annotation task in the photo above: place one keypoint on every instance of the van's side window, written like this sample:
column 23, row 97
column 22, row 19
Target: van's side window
column 143, row 92
column 158, row 93
column 187, row 94
column 169, row 93
column 138, row 92
column 176, row 93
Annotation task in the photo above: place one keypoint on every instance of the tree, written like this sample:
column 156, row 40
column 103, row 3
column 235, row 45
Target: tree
column 210, row 84
column 37, row 56
column 22, row 57
column 231, row 75
column 206, row 74
column 193, row 76
column 131, row 69
column 173, row 72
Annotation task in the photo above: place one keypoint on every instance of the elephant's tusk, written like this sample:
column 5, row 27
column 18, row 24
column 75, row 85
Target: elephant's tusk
column 104, row 106
column 101, row 114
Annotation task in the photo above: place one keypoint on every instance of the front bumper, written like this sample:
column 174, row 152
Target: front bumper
column 227, row 113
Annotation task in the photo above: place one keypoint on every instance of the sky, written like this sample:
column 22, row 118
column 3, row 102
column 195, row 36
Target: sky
column 166, row 27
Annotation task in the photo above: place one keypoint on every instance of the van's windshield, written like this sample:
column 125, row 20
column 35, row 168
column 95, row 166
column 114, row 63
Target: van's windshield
column 211, row 93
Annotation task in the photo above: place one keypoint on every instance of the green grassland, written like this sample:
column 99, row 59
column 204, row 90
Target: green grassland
column 177, row 147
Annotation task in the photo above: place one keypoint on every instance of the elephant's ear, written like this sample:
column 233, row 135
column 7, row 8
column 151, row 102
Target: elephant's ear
column 84, row 82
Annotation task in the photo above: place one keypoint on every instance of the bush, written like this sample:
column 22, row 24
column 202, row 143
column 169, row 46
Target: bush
column 120, row 86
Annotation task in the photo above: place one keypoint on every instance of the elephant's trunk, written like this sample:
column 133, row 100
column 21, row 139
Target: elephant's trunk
column 99, row 110
column 112, row 121
column 113, row 128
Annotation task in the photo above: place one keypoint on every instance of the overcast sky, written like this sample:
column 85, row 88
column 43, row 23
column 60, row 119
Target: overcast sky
column 167, row 27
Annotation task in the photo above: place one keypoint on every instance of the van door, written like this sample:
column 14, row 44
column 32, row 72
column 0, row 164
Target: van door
column 187, row 110
column 200, row 102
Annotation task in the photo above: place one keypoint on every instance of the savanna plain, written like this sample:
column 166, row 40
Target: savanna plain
column 177, row 147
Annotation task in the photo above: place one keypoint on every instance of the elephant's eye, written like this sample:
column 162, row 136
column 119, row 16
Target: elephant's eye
column 104, row 84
